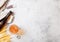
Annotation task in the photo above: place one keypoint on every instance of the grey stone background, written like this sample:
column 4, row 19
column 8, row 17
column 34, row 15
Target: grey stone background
column 39, row 18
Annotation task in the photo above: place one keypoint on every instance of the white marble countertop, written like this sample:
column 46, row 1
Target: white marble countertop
column 39, row 19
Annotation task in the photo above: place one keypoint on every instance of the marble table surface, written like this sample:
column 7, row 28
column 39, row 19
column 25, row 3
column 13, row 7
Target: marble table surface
column 40, row 19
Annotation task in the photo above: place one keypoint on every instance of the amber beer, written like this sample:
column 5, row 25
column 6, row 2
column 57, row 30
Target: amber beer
column 14, row 29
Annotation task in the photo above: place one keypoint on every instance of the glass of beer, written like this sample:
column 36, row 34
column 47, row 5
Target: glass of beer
column 14, row 29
